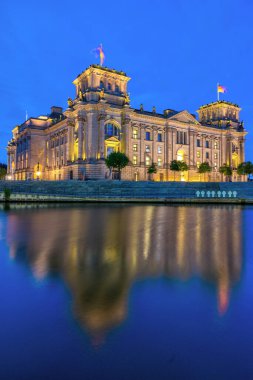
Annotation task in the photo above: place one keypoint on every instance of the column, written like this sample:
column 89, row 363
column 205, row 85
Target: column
column 79, row 125
column 101, row 137
column 70, row 140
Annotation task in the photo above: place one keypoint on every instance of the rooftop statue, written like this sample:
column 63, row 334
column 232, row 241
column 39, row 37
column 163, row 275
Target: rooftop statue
column 70, row 103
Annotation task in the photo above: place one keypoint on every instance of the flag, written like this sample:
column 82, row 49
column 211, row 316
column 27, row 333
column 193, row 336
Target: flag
column 221, row 88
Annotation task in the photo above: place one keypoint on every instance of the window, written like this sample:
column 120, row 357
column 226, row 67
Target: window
column 147, row 135
column 117, row 88
column 198, row 154
column 159, row 162
column 215, row 145
column 101, row 85
column 111, row 130
column 207, row 154
column 159, row 137
column 135, row 147
column 182, row 138
column 147, row 161
column 215, row 156
column 198, row 164
column 207, row 144
column 135, row 160
column 159, row 149
column 147, row 149
column 215, row 166
column 198, row 143
column 135, row 134
column 109, row 86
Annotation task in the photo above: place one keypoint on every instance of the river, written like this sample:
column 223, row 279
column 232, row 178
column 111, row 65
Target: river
column 123, row 292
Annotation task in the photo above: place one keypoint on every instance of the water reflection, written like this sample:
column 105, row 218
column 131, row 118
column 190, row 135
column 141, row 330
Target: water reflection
column 100, row 250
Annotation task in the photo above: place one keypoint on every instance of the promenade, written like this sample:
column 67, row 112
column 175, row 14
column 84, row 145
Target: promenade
column 127, row 191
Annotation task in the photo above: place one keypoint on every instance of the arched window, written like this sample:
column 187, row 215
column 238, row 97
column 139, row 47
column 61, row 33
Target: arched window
column 116, row 88
column 109, row 86
column 111, row 130
column 102, row 84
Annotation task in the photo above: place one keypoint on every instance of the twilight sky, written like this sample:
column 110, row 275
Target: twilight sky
column 174, row 51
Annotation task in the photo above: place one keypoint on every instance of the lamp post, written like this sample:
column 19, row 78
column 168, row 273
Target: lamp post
column 38, row 172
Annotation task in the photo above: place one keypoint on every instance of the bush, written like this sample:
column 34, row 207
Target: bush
column 7, row 194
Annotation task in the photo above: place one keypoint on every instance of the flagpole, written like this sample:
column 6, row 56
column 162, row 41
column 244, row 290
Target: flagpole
column 218, row 94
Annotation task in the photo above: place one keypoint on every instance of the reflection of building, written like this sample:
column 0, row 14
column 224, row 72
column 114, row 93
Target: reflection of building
column 100, row 251
column 73, row 144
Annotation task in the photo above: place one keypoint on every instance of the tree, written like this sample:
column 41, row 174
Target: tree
column 178, row 166
column 245, row 168
column 152, row 170
column 204, row 168
column 226, row 170
column 117, row 160
column 3, row 170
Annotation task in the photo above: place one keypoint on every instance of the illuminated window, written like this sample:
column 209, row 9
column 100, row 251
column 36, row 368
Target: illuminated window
column 147, row 149
column 159, row 137
column 135, row 160
column 147, row 161
column 159, row 162
column 159, row 149
column 198, row 164
column 135, row 147
column 147, row 135
column 215, row 145
column 216, row 155
column 215, row 166
column 135, row 134
column 198, row 143
column 198, row 154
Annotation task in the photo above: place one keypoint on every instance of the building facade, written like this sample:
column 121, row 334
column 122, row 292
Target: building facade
column 74, row 144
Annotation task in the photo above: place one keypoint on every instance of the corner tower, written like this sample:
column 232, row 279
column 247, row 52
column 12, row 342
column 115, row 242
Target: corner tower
column 220, row 114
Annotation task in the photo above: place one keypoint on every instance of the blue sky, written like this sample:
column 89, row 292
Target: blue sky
column 174, row 51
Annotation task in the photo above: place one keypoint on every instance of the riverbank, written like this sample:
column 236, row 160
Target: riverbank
column 127, row 191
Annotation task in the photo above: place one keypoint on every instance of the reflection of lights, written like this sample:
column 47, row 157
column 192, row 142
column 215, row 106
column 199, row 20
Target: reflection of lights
column 223, row 297
column 9, row 177
column 177, row 242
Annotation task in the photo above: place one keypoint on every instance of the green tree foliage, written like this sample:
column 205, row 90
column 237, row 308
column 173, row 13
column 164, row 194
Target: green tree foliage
column 204, row 168
column 226, row 170
column 152, row 170
column 245, row 168
column 178, row 166
column 117, row 160
column 3, row 170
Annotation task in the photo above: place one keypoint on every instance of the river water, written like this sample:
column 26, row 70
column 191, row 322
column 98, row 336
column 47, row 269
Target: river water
column 126, row 292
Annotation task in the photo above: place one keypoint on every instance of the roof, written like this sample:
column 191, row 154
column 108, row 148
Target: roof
column 219, row 102
column 104, row 69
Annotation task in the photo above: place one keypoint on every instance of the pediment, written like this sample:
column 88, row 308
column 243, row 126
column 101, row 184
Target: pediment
column 184, row 117
column 113, row 139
